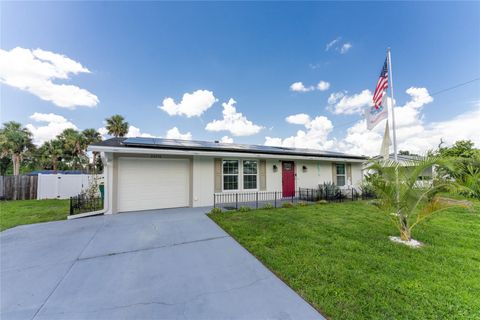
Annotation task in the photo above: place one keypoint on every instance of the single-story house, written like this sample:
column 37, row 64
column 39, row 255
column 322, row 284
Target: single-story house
column 153, row 173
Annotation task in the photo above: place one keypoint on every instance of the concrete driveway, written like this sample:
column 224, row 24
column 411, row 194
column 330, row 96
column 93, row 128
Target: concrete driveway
column 164, row 264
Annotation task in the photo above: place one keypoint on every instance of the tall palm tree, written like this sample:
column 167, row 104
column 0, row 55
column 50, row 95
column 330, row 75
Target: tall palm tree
column 51, row 153
column 73, row 145
column 15, row 141
column 92, row 136
column 117, row 126
column 400, row 196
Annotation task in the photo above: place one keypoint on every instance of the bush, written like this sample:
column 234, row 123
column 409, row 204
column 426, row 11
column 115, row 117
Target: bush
column 322, row 202
column 215, row 210
column 287, row 205
column 302, row 204
column 244, row 209
column 268, row 206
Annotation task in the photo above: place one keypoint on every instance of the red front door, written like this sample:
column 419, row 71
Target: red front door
column 288, row 178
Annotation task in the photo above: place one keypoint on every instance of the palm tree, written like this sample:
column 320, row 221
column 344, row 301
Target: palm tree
column 92, row 136
column 51, row 152
column 400, row 196
column 117, row 126
column 15, row 141
column 73, row 145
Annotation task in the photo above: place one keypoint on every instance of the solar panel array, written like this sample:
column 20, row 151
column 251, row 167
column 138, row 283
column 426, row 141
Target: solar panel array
column 232, row 147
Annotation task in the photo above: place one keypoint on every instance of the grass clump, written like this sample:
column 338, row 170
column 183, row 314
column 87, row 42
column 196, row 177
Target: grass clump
column 268, row 206
column 244, row 209
column 215, row 211
column 287, row 205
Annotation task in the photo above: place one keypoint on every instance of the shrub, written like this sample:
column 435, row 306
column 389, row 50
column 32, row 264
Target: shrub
column 268, row 206
column 322, row 202
column 215, row 210
column 287, row 205
column 302, row 204
column 244, row 209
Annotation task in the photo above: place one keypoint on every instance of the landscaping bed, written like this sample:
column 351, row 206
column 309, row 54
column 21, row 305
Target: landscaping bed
column 340, row 259
column 18, row 212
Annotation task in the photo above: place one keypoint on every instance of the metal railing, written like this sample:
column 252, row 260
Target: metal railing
column 82, row 204
column 259, row 199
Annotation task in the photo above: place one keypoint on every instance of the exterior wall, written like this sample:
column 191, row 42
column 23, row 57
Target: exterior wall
column 202, row 181
column 202, row 176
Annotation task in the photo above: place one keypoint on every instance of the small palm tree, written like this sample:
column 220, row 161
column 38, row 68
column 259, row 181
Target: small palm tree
column 401, row 197
column 15, row 141
column 117, row 126
column 92, row 136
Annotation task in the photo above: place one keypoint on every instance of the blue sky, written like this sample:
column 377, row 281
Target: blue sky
column 138, row 54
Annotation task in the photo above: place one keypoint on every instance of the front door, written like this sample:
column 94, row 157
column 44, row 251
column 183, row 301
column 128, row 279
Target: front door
column 288, row 178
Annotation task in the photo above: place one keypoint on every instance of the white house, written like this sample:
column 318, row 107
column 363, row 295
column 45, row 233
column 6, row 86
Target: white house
column 152, row 173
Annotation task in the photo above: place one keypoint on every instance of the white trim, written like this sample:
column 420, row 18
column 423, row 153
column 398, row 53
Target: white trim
column 218, row 154
column 240, row 175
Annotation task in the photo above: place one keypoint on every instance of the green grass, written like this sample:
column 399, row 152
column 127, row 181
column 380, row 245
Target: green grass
column 339, row 258
column 14, row 213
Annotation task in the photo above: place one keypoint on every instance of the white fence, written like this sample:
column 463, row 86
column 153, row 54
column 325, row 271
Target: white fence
column 63, row 186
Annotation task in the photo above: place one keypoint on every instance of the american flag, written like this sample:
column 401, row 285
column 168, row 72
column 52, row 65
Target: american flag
column 382, row 86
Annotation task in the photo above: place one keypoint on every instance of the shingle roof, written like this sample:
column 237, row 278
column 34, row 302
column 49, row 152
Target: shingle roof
column 175, row 144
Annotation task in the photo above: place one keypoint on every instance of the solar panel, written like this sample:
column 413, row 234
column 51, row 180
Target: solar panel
column 212, row 146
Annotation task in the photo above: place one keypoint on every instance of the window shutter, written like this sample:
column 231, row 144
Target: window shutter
column 218, row 175
column 334, row 172
column 263, row 175
column 349, row 173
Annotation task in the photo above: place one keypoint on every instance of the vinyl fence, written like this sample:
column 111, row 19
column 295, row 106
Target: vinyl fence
column 21, row 187
column 62, row 186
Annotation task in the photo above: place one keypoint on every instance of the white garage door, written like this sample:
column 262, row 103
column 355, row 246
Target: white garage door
column 152, row 183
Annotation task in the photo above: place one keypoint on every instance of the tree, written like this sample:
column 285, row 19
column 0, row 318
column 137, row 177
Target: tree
column 15, row 141
column 92, row 136
column 117, row 126
column 73, row 146
column 405, row 203
column 50, row 154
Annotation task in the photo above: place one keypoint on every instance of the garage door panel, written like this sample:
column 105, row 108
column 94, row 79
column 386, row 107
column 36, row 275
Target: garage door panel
column 152, row 183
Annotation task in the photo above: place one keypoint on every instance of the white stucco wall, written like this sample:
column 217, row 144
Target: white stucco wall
column 202, row 181
column 274, row 178
column 317, row 172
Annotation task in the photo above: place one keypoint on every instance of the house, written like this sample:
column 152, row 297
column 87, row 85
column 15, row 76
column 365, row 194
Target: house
column 153, row 173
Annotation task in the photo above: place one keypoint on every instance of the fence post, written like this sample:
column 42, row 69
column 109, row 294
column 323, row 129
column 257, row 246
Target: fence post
column 275, row 198
column 256, row 200
column 236, row 201
column 214, row 200
column 71, row 207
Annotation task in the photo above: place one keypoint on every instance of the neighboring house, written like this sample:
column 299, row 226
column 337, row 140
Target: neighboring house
column 152, row 173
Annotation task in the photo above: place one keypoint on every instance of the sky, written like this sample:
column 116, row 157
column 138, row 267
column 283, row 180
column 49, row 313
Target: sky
column 289, row 74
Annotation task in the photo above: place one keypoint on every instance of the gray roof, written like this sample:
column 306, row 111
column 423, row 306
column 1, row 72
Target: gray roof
column 176, row 144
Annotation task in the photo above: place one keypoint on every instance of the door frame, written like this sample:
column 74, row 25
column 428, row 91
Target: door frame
column 288, row 193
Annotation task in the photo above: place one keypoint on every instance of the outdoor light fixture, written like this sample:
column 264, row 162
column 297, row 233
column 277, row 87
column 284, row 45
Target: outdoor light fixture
column 275, row 168
column 304, row 168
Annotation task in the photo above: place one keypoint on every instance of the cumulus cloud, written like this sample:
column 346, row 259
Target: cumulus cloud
column 323, row 85
column 192, row 105
column 132, row 133
column 174, row 133
column 299, row 118
column 341, row 103
column 413, row 134
column 226, row 139
column 345, row 47
column 300, row 87
column 35, row 70
column 54, row 124
column 234, row 122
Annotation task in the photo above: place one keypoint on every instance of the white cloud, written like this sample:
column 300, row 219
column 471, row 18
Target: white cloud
column 55, row 124
column 132, row 133
column 192, row 105
column 323, row 85
column 174, row 133
column 299, row 118
column 234, row 122
column 345, row 47
column 226, row 139
column 35, row 70
column 340, row 103
column 413, row 134
column 332, row 43
column 300, row 87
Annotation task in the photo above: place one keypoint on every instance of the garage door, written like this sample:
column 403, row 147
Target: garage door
column 145, row 184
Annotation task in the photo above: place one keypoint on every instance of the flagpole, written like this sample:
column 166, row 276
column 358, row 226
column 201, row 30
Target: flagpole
column 390, row 76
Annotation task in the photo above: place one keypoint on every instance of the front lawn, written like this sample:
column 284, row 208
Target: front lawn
column 338, row 257
column 17, row 212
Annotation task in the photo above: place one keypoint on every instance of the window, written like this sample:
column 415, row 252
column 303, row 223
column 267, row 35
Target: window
column 230, row 174
column 249, row 174
column 340, row 174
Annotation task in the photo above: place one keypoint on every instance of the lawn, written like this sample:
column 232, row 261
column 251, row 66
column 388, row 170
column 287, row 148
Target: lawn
column 338, row 257
column 14, row 213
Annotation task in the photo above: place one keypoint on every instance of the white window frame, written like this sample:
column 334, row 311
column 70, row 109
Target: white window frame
column 344, row 175
column 250, row 174
column 240, row 174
